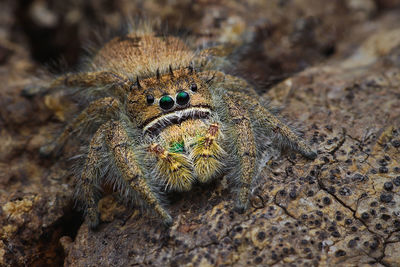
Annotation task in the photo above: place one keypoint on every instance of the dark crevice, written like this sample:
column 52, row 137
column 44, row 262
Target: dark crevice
column 284, row 208
column 48, row 43
column 385, row 243
column 50, row 250
column 71, row 221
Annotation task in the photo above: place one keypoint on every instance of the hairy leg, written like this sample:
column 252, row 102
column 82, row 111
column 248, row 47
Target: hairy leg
column 285, row 136
column 87, row 186
column 102, row 109
column 81, row 80
column 207, row 154
column 175, row 168
column 244, row 148
column 126, row 161
column 270, row 123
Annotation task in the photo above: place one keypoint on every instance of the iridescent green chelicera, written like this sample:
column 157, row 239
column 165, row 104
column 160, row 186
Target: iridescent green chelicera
column 177, row 147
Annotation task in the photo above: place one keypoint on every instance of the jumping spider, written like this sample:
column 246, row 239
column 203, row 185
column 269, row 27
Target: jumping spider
column 160, row 117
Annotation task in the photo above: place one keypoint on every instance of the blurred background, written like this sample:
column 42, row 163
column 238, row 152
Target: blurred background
column 286, row 35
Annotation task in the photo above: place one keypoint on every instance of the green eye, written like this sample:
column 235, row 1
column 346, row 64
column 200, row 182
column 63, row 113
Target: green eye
column 166, row 102
column 182, row 98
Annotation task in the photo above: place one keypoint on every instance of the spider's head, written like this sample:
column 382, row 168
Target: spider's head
column 171, row 98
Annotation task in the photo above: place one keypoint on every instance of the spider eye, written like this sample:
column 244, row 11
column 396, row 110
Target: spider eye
column 193, row 87
column 150, row 99
column 166, row 102
column 182, row 98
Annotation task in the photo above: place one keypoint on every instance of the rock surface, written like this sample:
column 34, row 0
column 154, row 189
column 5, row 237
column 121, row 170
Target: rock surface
column 334, row 66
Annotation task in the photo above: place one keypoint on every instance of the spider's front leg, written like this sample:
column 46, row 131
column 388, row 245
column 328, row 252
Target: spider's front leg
column 132, row 171
column 242, row 110
column 112, row 138
column 90, row 179
column 243, row 148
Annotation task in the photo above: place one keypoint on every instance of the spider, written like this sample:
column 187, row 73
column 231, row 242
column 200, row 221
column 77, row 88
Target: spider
column 161, row 116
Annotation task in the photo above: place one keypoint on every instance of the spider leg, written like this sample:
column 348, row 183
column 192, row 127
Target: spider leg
column 243, row 147
column 127, row 163
column 174, row 168
column 81, row 80
column 89, row 183
column 207, row 154
column 102, row 109
column 285, row 136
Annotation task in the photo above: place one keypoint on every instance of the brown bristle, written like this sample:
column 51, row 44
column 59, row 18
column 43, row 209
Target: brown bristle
column 190, row 67
column 158, row 74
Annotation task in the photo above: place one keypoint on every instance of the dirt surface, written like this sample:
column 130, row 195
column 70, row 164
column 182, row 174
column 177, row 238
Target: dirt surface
column 333, row 65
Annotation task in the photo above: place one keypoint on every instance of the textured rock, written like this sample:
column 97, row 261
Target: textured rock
column 341, row 209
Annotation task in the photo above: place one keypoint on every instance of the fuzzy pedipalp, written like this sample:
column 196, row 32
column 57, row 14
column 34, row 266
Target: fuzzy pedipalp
column 207, row 154
column 173, row 168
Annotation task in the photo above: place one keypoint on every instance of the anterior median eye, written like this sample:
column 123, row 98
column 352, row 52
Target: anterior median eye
column 166, row 102
column 182, row 98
